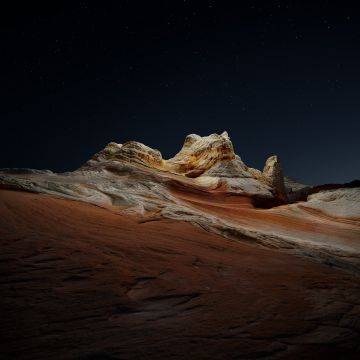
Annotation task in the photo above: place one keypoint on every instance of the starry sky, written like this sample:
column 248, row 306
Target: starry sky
column 282, row 77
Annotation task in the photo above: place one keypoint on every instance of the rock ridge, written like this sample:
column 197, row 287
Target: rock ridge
column 211, row 156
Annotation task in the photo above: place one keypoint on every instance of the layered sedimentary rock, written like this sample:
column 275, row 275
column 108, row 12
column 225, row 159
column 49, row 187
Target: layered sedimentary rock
column 85, row 282
column 209, row 160
column 197, row 155
column 196, row 245
column 273, row 175
column 343, row 202
column 132, row 152
column 200, row 154
column 196, row 185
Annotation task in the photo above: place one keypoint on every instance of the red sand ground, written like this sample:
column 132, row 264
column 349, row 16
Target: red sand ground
column 81, row 282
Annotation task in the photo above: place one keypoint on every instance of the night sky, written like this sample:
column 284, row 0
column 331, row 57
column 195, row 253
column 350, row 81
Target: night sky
column 281, row 77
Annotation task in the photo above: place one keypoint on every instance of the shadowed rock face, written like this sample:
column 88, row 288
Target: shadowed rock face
column 295, row 191
column 193, row 247
column 273, row 175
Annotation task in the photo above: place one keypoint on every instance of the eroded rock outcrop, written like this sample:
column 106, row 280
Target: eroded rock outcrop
column 343, row 202
column 233, row 168
column 135, row 176
column 295, row 190
column 132, row 152
column 199, row 154
column 209, row 160
column 107, row 153
column 155, row 247
column 208, row 185
column 273, row 175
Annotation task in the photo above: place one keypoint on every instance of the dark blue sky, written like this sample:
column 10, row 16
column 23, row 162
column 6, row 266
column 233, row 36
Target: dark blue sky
column 281, row 77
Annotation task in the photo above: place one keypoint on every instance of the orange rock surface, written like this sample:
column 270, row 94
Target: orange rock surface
column 82, row 282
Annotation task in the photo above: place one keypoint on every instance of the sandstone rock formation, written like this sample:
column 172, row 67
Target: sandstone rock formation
column 89, row 282
column 201, row 153
column 197, row 155
column 132, row 152
column 134, row 178
column 273, row 175
column 295, row 190
column 340, row 202
column 174, row 242
column 209, row 160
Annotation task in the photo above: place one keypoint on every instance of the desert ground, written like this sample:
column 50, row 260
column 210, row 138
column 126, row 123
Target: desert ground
column 81, row 281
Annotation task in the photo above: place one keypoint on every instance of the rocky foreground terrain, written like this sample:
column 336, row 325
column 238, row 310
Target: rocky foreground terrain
column 197, row 257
